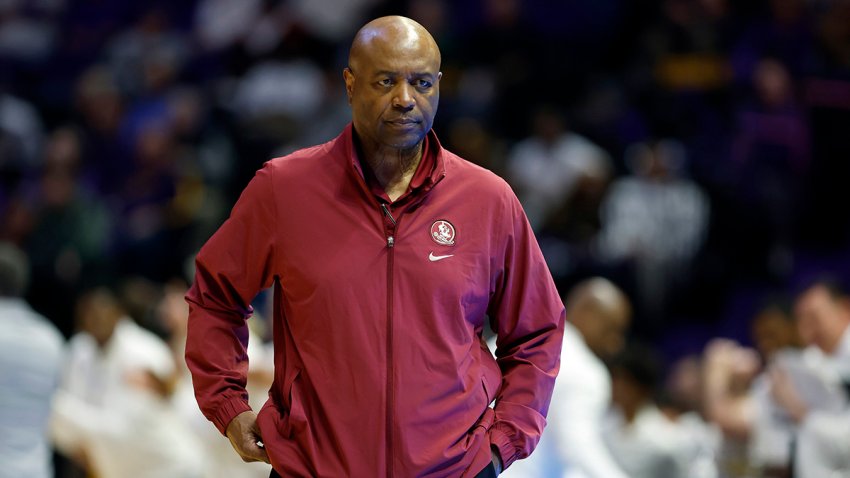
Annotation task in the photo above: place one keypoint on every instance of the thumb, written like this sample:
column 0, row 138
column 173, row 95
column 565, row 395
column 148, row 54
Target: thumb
column 258, row 448
column 244, row 435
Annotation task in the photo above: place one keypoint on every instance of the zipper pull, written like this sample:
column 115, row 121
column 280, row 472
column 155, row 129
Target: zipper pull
column 390, row 241
column 387, row 212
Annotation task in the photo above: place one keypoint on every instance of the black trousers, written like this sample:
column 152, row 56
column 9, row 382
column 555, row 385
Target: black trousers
column 488, row 472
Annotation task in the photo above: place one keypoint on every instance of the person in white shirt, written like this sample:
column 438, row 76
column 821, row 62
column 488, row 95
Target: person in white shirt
column 823, row 441
column 113, row 412
column 30, row 363
column 598, row 315
column 645, row 441
column 756, row 432
column 547, row 167
column 655, row 219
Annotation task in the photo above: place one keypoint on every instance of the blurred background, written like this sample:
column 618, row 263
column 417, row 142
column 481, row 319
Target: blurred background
column 694, row 152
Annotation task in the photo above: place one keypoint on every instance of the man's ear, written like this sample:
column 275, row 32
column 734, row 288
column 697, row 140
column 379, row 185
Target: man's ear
column 348, row 76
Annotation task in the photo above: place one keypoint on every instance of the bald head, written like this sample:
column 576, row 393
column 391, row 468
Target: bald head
column 601, row 312
column 393, row 85
column 395, row 32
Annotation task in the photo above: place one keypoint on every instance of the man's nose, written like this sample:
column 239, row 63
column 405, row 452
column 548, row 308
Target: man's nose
column 403, row 98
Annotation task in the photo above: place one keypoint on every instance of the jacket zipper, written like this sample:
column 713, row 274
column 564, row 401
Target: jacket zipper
column 390, row 230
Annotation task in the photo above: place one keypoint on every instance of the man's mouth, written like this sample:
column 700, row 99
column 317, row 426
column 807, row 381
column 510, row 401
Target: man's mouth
column 403, row 121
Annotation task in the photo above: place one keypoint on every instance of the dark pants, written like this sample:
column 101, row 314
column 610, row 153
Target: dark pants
column 488, row 472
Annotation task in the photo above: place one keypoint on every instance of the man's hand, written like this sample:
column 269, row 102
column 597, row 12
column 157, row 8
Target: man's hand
column 244, row 435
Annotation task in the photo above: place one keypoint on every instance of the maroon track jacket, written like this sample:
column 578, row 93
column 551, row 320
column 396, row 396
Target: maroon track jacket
column 379, row 307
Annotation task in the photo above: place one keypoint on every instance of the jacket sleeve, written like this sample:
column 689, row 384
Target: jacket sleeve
column 528, row 317
column 231, row 268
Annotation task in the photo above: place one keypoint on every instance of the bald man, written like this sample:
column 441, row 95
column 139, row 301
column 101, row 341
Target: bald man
column 599, row 315
column 387, row 254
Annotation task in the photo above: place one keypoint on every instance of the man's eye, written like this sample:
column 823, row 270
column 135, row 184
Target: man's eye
column 424, row 84
column 386, row 82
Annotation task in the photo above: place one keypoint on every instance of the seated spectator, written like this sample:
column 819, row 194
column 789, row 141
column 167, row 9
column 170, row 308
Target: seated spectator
column 643, row 441
column 681, row 401
column 728, row 373
column 547, row 167
column 814, row 394
column 777, row 341
column 741, row 394
column 112, row 413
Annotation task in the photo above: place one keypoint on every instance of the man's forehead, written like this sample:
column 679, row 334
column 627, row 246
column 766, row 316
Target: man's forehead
column 403, row 67
column 817, row 294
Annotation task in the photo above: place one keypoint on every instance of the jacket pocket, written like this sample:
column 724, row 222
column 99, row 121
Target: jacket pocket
column 297, row 412
column 292, row 414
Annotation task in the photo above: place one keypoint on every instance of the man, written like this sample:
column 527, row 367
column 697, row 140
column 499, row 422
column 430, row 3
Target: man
column 822, row 311
column 815, row 396
column 644, row 441
column 30, row 361
column 113, row 412
column 599, row 317
column 386, row 253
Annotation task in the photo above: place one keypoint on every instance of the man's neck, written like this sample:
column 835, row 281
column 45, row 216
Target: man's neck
column 393, row 168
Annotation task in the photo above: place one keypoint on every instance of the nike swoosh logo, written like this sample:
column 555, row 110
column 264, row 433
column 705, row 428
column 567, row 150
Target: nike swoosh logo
column 433, row 258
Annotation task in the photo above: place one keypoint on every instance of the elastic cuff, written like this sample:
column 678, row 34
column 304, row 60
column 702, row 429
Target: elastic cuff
column 227, row 411
column 507, row 451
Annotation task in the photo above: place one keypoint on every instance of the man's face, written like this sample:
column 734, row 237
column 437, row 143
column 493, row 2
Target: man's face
column 820, row 318
column 606, row 331
column 393, row 89
column 772, row 332
column 98, row 316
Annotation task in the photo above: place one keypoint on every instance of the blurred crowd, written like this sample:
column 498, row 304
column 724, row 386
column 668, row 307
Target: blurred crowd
column 692, row 152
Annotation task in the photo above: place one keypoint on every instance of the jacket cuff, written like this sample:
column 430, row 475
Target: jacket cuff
column 227, row 411
column 500, row 442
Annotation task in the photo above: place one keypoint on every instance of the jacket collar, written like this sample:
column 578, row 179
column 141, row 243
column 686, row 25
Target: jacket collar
column 431, row 170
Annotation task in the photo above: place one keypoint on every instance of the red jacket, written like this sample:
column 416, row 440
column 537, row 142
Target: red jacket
column 380, row 369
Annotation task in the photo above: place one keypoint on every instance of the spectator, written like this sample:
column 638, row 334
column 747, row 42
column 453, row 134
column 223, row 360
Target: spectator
column 758, row 430
column 21, row 134
column 823, row 318
column 778, row 343
column 823, row 447
column 728, row 373
column 642, row 440
column 770, row 154
column 100, row 106
column 655, row 220
column 112, row 413
column 67, row 233
column 548, row 166
column 30, row 361
column 681, row 401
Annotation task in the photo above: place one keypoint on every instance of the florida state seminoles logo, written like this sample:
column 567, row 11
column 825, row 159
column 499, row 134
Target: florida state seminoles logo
column 443, row 233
